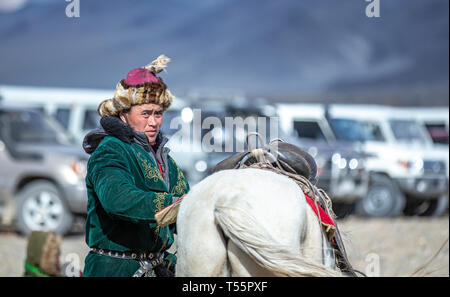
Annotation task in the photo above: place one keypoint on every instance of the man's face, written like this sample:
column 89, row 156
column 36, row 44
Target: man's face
column 145, row 118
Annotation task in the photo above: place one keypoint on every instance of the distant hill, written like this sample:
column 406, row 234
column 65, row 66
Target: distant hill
column 283, row 49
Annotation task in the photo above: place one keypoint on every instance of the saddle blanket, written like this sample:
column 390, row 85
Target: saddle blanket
column 325, row 219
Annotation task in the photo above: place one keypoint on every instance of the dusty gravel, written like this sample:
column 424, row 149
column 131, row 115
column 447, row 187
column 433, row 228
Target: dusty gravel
column 397, row 246
column 378, row 247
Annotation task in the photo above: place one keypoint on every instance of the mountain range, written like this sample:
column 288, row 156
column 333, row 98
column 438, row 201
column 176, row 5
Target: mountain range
column 278, row 49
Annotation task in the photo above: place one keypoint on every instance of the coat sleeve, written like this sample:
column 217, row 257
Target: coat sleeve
column 115, row 188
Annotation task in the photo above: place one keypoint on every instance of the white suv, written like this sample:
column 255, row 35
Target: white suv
column 407, row 174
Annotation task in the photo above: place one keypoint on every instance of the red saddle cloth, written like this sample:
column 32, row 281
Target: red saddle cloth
column 326, row 221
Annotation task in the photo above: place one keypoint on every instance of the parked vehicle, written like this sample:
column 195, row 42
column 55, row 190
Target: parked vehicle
column 404, row 153
column 432, row 124
column 346, row 184
column 342, row 165
column 76, row 111
column 224, row 128
column 436, row 122
column 401, row 172
column 42, row 173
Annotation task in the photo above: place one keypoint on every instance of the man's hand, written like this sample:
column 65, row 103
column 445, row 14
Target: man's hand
column 168, row 215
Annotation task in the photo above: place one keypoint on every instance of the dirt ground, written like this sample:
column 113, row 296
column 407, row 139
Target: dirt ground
column 397, row 246
column 377, row 247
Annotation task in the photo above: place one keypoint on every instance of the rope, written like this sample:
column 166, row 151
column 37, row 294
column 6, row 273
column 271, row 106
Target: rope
column 303, row 183
column 259, row 155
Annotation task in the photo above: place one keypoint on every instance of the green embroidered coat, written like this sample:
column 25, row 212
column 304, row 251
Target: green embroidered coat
column 125, row 190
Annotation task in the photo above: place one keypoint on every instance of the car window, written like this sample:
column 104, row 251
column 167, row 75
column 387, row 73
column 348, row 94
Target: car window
column 308, row 129
column 32, row 127
column 438, row 133
column 62, row 115
column 91, row 119
column 356, row 130
column 408, row 131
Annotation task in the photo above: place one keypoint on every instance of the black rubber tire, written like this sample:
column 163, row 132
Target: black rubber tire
column 426, row 208
column 342, row 210
column 438, row 208
column 383, row 199
column 63, row 219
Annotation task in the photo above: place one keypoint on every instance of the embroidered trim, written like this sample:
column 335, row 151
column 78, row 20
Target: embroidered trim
column 180, row 188
column 159, row 204
column 150, row 171
column 159, row 201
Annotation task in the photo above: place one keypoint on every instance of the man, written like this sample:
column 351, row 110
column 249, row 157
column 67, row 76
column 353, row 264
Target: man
column 43, row 256
column 130, row 177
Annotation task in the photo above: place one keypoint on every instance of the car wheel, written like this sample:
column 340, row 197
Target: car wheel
column 383, row 199
column 429, row 207
column 342, row 210
column 41, row 207
column 439, row 207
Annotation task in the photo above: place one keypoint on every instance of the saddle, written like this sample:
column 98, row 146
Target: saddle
column 293, row 162
column 288, row 157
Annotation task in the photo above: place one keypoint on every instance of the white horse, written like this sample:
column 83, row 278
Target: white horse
column 250, row 222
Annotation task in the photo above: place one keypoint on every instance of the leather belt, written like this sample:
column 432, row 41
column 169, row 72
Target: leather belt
column 147, row 261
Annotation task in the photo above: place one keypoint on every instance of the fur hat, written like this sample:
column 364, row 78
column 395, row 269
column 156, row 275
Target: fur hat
column 141, row 86
column 43, row 250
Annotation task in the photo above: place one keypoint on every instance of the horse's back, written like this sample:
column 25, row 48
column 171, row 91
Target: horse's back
column 273, row 200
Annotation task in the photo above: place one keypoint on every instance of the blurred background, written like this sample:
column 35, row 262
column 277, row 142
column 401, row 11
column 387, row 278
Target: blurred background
column 362, row 86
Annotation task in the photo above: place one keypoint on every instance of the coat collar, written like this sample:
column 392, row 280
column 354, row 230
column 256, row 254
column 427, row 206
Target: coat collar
column 113, row 126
